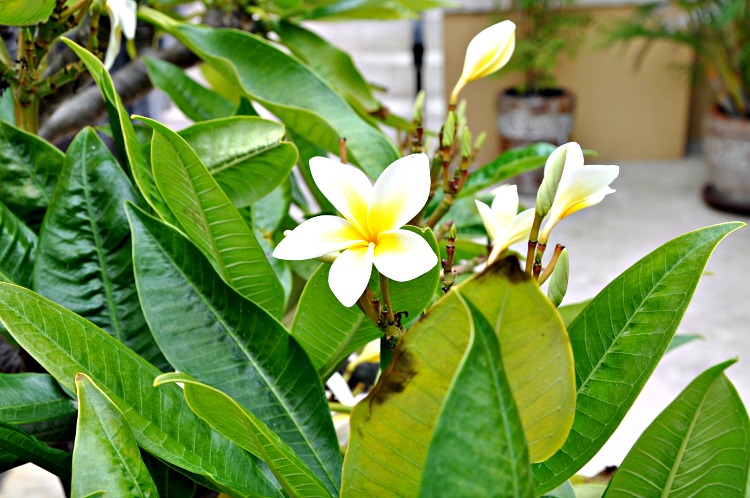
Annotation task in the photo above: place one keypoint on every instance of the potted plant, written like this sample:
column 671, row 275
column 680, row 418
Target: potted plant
column 718, row 32
column 537, row 110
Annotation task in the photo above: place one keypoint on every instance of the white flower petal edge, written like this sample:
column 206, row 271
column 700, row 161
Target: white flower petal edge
column 489, row 50
column 504, row 205
column 402, row 255
column 517, row 231
column 348, row 188
column 316, row 237
column 400, row 193
column 350, row 273
column 485, row 212
column 122, row 16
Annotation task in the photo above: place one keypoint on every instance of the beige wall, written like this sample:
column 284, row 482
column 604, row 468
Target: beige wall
column 622, row 112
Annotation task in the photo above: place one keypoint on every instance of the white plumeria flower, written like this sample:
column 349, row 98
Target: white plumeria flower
column 580, row 187
column 369, row 232
column 504, row 224
column 122, row 17
column 487, row 52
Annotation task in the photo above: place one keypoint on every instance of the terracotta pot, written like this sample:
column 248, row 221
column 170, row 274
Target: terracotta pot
column 527, row 119
column 726, row 147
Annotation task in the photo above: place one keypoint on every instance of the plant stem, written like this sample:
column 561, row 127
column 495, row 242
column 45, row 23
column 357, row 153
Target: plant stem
column 551, row 265
column 385, row 295
column 533, row 241
column 339, row 408
column 27, row 113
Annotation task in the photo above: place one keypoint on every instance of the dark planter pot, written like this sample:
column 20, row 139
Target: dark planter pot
column 726, row 147
column 528, row 119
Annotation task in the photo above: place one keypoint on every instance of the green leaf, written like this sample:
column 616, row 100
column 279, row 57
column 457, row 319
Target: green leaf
column 29, row 166
column 26, row 448
column 36, row 403
column 105, row 455
column 245, row 155
column 298, row 96
column 479, row 421
column 536, row 352
column 195, row 101
column 169, row 482
column 373, row 9
column 129, row 149
column 307, row 151
column 9, row 461
column 699, row 445
column 247, row 430
column 329, row 331
column 84, row 260
column 232, row 344
column 24, row 12
column 17, row 249
column 570, row 311
column 334, row 65
column 268, row 213
column 7, row 108
column 211, row 221
column 619, row 338
column 392, row 428
column 507, row 165
column 66, row 344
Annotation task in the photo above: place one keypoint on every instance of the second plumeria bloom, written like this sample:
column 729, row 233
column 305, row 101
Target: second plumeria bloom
column 504, row 224
column 122, row 18
column 579, row 186
column 487, row 52
column 369, row 231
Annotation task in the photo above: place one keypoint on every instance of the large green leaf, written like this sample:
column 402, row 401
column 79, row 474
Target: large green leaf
column 29, row 166
column 699, row 445
column 26, row 448
column 245, row 154
column 195, row 101
column 162, row 423
column 24, row 12
column 392, row 428
column 372, row 9
column 17, row 249
column 536, row 353
column 244, row 428
column 329, row 331
column 619, row 338
column 333, row 64
column 281, row 83
column 210, row 220
column 36, row 403
column 479, row 421
column 129, row 149
column 169, row 482
column 106, row 456
column 232, row 344
column 84, row 260
column 307, row 151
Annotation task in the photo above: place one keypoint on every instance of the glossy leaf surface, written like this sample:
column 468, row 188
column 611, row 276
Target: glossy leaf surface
column 329, row 331
column 619, row 338
column 106, row 456
column 230, row 343
column 210, row 220
column 242, row 426
column 699, row 445
column 84, row 261
column 17, row 249
column 195, row 101
column 36, row 403
column 298, row 96
column 480, row 422
column 29, row 166
column 245, row 155
column 26, row 448
column 25, row 13
column 66, row 344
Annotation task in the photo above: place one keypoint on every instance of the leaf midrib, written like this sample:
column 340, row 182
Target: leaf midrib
column 223, row 166
column 251, row 359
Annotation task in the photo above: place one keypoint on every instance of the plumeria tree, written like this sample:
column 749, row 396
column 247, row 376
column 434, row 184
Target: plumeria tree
column 191, row 317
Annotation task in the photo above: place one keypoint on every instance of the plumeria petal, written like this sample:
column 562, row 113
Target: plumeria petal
column 350, row 273
column 126, row 12
column 516, row 231
column 580, row 184
column 485, row 212
column 316, row 237
column 504, row 205
column 402, row 255
column 348, row 189
column 489, row 50
column 113, row 47
column 400, row 193
column 573, row 157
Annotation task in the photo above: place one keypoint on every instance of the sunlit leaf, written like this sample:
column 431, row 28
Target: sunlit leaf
column 24, row 12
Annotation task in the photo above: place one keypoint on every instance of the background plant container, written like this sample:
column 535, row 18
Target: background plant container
column 527, row 119
column 726, row 147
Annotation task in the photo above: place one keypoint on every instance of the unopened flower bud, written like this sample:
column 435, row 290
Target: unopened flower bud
column 449, row 130
column 418, row 109
column 453, row 232
column 553, row 170
column 558, row 284
column 479, row 142
column 466, row 143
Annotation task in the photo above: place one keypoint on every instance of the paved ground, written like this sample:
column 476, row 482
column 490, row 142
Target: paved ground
column 654, row 202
